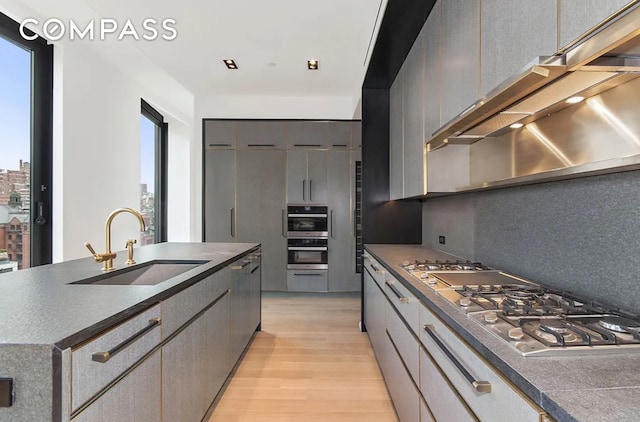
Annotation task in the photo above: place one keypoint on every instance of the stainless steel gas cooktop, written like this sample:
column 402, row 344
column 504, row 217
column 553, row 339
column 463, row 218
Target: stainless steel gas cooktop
column 532, row 319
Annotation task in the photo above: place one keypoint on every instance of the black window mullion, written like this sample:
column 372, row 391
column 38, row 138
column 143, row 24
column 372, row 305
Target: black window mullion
column 160, row 164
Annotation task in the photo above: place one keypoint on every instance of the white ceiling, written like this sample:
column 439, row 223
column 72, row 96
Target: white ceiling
column 255, row 33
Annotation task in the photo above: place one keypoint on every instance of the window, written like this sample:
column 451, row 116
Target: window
column 153, row 170
column 26, row 103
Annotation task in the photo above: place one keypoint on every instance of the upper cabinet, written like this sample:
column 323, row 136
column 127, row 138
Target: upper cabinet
column 514, row 33
column 304, row 134
column 339, row 135
column 219, row 133
column 356, row 135
column 265, row 134
column 460, row 45
column 579, row 16
column 413, row 98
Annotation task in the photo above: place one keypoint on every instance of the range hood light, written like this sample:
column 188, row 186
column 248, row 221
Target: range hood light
column 312, row 64
column 574, row 100
column 516, row 125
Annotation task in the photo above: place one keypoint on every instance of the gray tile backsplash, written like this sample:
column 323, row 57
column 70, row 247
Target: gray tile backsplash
column 581, row 235
column 452, row 217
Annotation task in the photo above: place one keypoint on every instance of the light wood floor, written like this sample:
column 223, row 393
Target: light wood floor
column 310, row 363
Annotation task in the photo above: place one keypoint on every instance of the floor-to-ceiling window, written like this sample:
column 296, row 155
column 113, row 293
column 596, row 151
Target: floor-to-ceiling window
column 26, row 80
column 153, row 153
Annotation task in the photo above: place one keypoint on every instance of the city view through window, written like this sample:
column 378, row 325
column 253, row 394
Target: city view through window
column 148, row 133
column 15, row 153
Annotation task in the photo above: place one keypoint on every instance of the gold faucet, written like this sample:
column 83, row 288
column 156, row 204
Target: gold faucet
column 108, row 256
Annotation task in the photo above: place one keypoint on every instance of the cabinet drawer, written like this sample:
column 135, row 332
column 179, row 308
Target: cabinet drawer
column 307, row 281
column 180, row 308
column 404, row 301
column 405, row 396
column 134, row 398
column 405, row 342
column 127, row 343
column 376, row 270
column 503, row 402
column 442, row 399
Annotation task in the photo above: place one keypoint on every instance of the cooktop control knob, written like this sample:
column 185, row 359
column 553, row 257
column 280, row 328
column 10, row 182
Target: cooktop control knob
column 432, row 281
column 516, row 333
column 491, row 317
column 465, row 301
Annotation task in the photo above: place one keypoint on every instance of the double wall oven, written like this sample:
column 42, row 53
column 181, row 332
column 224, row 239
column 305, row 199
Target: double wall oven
column 307, row 237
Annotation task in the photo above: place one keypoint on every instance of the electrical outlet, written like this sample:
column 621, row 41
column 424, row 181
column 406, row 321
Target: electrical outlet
column 441, row 240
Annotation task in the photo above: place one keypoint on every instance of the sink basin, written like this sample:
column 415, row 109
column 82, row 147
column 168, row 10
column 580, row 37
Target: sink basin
column 149, row 273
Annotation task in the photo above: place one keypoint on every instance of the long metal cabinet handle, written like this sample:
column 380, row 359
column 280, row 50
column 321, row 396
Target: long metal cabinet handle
column 395, row 291
column 479, row 386
column 282, row 221
column 331, row 224
column 310, row 190
column 376, row 269
column 233, row 222
column 304, row 190
column 308, row 248
column 104, row 357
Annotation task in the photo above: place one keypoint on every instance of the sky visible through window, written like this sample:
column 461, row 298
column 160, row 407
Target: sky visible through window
column 147, row 152
column 15, row 105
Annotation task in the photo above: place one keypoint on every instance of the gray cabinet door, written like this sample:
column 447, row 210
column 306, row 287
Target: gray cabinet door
column 432, row 73
column 261, row 192
column 460, row 56
column 396, row 190
column 260, row 133
column 578, row 16
column 219, row 133
column 136, row 398
column 297, row 180
column 195, row 364
column 219, row 196
column 341, row 241
column 412, row 121
column 339, row 134
column 304, row 134
column 513, row 34
column 356, row 135
column 374, row 318
column 240, row 307
column 317, row 173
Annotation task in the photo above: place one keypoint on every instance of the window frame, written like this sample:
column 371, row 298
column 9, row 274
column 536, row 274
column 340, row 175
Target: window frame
column 41, row 160
column 160, row 169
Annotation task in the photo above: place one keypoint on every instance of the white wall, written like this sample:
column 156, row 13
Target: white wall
column 97, row 92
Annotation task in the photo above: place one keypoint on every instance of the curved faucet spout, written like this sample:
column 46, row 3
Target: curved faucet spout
column 110, row 220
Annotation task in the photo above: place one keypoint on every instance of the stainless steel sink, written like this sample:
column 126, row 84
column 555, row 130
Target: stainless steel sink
column 149, row 273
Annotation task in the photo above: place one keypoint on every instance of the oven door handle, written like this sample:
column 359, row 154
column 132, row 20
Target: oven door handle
column 479, row 386
column 310, row 248
column 307, row 215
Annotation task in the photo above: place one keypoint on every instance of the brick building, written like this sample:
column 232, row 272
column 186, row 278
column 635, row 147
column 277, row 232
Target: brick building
column 15, row 235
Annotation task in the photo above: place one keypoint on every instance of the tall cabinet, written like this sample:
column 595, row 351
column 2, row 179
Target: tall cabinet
column 254, row 168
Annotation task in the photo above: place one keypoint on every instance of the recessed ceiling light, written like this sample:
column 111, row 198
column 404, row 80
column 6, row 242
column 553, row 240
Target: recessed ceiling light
column 231, row 64
column 516, row 126
column 312, row 64
column 574, row 100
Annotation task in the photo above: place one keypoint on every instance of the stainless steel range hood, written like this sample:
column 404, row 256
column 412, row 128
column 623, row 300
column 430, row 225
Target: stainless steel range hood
column 600, row 60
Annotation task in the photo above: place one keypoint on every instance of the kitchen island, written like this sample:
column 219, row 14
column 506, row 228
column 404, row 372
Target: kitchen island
column 601, row 386
column 67, row 348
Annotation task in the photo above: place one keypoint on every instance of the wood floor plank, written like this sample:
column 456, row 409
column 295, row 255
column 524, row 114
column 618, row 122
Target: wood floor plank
column 310, row 363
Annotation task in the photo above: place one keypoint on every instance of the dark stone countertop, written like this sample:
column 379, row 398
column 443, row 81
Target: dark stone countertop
column 39, row 307
column 591, row 388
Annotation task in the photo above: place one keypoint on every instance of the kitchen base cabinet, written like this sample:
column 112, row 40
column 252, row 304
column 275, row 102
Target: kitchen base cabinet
column 307, row 281
column 135, row 398
column 404, row 394
column 194, row 364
